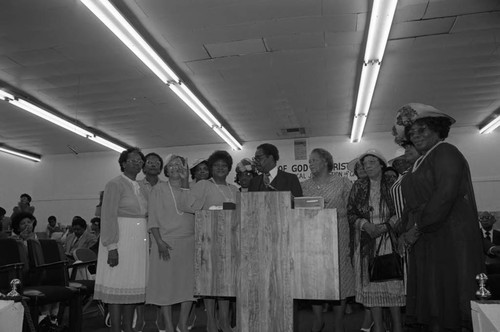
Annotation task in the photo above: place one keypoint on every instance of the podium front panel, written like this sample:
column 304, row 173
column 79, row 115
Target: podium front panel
column 264, row 302
column 314, row 251
column 216, row 242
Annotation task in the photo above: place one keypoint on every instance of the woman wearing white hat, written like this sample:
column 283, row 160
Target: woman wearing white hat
column 440, row 205
column 369, row 209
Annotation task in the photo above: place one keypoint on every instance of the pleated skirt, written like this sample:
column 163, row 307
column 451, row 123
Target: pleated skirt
column 126, row 282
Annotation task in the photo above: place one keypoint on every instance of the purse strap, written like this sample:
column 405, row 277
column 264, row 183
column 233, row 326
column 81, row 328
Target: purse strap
column 389, row 233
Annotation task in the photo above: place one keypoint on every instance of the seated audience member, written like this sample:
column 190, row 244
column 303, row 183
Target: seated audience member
column 80, row 238
column 4, row 226
column 23, row 205
column 52, row 226
column 95, row 228
column 2, row 215
column 491, row 242
column 23, row 226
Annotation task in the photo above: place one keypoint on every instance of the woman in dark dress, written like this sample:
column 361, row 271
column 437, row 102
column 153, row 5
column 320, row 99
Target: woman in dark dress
column 447, row 254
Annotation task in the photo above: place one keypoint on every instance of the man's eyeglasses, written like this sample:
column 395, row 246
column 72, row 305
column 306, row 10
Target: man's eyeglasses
column 259, row 158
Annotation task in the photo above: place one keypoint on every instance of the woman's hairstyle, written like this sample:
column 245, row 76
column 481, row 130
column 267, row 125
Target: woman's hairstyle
column 79, row 221
column 325, row 155
column 220, row 155
column 270, row 150
column 439, row 125
column 28, row 197
column 153, row 154
column 124, row 156
column 16, row 221
column 193, row 169
column 169, row 159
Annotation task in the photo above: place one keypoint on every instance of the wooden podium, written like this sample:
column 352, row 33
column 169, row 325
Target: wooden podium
column 266, row 255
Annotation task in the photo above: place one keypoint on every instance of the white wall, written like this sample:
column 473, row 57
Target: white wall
column 16, row 177
column 69, row 185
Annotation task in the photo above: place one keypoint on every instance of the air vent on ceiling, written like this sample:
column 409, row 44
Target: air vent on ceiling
column 293, row 131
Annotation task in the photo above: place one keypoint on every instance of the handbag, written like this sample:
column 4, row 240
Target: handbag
column 386, row 267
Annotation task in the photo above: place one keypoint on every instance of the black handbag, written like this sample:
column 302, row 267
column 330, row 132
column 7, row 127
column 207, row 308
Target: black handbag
column 386, row 267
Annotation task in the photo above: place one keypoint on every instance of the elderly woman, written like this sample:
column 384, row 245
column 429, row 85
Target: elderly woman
column 213, row 193
column 123, row 249
column 335, row 191
column 171, row 268
column 245, row 171
column 447, row 255
column 199, row 170
column 369, row 209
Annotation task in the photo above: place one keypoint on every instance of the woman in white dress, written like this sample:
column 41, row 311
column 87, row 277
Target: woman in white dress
column 123, row 249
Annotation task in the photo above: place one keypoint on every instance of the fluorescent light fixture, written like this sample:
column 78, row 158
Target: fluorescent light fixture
column 490, row 126
column 369, row 75
column 189, row 99
column 106, row 143
column 40, row 112
column 224, row 134
column 21, row 154
column 380, row 26
column 112, row 18
column 381, row 19
column 5, row 95
column 35, row 110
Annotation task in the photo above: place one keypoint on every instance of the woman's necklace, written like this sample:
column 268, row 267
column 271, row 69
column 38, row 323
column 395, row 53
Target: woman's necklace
column 222, row 192
column 175, row 202
column 320, row 181
column 419, row 161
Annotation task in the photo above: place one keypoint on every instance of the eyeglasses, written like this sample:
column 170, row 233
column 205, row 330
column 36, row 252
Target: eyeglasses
column 135, row 161
column 153, row 163
column 259, row 158
column 174, row 166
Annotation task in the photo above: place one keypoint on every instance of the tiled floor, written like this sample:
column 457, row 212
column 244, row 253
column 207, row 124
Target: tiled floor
column 95, row 322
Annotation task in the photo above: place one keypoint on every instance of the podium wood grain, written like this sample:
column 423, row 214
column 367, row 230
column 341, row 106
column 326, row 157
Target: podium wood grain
column 314, row 251
column 266, row 254
column 264, row 301
column 216, row 241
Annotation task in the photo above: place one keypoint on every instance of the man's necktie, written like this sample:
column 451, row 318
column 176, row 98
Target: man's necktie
column 267, row 180
column 487, row 235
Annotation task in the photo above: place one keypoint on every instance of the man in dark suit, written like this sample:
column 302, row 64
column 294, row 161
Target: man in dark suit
column 491, row 242
column 272, row 179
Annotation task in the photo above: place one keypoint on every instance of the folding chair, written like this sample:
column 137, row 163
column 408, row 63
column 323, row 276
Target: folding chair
column 35, row 287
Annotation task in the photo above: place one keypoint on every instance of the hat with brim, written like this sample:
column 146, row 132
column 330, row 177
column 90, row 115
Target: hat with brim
column 197, row 162
column 375, row 153
column 245, row 165
column 407, row 114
